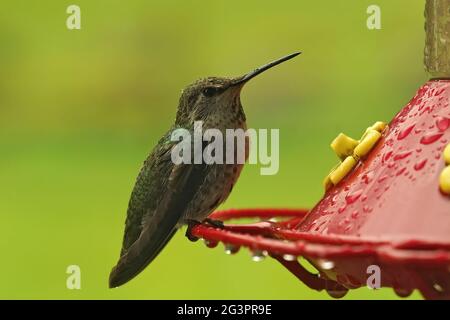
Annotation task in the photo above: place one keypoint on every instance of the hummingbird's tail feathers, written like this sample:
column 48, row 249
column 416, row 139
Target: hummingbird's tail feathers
column 126, row 269
column 184, row 182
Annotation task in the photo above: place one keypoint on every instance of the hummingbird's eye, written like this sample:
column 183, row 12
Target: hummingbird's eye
column 210, row 91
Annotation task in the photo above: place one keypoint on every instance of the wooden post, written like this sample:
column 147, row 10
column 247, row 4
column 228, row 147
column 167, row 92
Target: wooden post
column 437, row 43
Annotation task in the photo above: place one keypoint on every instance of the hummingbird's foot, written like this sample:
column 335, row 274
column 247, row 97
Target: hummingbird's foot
column 215, row 223
column 190, row 225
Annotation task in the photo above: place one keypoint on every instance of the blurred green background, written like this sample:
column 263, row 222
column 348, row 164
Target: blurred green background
column 80, row 110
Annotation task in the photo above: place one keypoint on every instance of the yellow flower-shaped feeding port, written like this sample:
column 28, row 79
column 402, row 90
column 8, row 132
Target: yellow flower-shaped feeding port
column 447, row 154
column 444, row 179
column 350, row 151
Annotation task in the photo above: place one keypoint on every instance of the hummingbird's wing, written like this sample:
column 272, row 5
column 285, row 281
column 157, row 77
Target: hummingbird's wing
column 157, row 228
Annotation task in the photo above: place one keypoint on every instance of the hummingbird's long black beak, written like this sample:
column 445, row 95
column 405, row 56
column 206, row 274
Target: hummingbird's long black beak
column 265, row 67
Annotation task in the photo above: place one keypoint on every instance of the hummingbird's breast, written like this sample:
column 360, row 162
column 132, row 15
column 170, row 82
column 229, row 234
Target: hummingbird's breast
column 221, row 178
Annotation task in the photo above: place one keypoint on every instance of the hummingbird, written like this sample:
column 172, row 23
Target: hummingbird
column 167, row 196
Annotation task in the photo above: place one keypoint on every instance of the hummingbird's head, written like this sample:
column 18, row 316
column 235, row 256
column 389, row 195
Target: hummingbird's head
column 216, row 95
column 206, row 97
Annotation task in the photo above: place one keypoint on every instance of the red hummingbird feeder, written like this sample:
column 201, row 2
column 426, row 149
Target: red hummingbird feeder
column 387, row 203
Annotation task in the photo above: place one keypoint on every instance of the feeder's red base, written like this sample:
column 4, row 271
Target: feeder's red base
column 387, row 213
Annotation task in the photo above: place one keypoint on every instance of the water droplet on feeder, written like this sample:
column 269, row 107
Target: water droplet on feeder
column 337, row 293
column 402, row 155
column 353, row 197
column 402, row 292
column 420, row 165
column 405, row 132
column 231, row 248
column 210, row 244
column 387, row 155
column 334, row 200
column 399, row 172
column 259, row 255
column 326, row 265
column 368, row 177
column 443, row 123
column 430, row 138
column 438, row 288
column 289, row 257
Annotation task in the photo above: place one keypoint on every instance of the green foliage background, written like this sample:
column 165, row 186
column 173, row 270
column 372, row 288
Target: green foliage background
column 79, row 111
